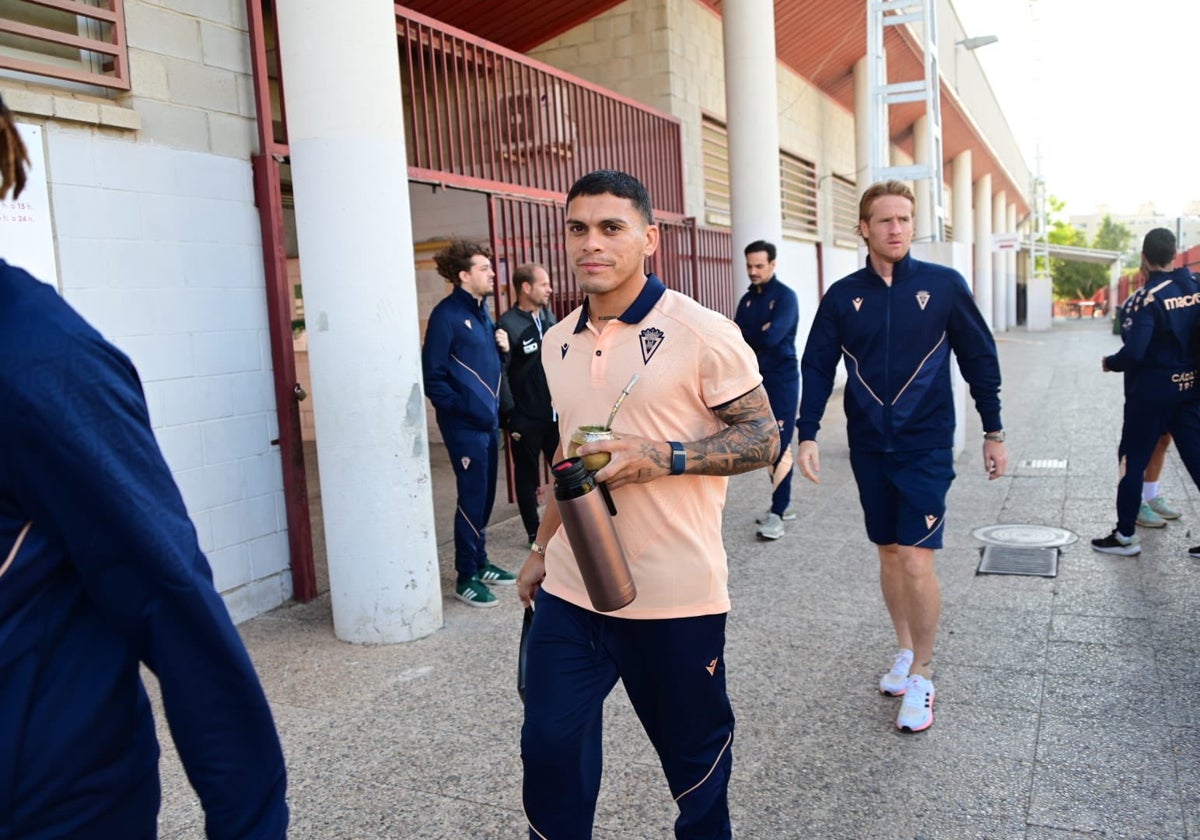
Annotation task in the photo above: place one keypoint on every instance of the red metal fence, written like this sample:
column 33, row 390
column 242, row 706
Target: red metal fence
column 481, row 116
column 692, row 260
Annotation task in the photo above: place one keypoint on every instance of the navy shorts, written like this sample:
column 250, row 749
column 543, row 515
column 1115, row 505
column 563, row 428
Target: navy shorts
column 903, row 495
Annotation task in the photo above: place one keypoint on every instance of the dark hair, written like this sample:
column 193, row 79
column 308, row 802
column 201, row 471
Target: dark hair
column 879, row 190
column 13, row 157
column 457, row 257
column 1159, row 247
column 761, row 245
column 620, row 184
column 525, row 274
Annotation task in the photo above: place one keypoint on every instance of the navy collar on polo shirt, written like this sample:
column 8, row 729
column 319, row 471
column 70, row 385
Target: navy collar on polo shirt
column 637, row 310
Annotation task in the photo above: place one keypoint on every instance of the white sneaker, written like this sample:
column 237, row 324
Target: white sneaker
column 789, row 515
column 772, row 529
column 895, row 680
column 916, row 712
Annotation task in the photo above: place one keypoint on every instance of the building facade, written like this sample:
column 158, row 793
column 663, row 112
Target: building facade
column 195, row 218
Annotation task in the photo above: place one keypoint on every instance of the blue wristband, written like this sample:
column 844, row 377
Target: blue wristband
column 678, row 457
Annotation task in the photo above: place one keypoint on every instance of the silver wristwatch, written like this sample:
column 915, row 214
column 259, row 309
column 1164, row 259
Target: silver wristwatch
column 996, row 436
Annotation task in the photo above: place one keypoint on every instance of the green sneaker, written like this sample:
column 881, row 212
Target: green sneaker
column 475, row 594
column 1147, row 518
column 1159, row 505
column 496, row 576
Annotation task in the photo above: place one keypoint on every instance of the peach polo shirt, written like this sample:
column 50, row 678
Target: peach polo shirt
column 689, row 359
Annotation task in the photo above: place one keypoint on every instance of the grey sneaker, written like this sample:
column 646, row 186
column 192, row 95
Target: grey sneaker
column 788, row 515
column 772, row 529
column 1148, row 518
column 1159, row 505
column 895, row 681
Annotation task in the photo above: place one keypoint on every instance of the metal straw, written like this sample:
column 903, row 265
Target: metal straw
column 620, row 399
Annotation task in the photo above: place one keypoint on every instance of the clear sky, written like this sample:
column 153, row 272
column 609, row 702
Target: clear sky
column 1113, row 102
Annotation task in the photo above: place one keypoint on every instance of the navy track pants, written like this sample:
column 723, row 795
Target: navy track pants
column 784, row 396
column 674, row 673
column 1144, row 424
column 473, row 455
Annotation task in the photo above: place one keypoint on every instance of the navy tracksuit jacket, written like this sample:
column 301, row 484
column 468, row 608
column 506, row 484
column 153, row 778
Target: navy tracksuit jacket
column 1159, row 359
column 462, row 365
column 109, row 576
column 768, row 316
column 896, row 341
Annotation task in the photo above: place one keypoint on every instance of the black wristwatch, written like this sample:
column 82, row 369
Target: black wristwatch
column 996, row 436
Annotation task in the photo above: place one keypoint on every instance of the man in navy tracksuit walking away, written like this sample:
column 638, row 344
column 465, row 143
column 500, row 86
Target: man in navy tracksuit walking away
column 768, row 315
column 461, row 362
column 895, row 322
column 1160, row 359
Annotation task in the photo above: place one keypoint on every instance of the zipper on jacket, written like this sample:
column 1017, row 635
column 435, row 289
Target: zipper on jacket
column 887, row 368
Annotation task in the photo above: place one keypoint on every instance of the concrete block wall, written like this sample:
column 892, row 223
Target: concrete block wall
column 158, row 246
column 159, row 249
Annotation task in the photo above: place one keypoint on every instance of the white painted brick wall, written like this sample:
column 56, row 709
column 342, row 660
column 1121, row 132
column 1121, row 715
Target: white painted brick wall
column 159, row 250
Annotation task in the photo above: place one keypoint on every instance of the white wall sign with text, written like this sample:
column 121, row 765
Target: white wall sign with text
column 1006, row 241
column 26, row 231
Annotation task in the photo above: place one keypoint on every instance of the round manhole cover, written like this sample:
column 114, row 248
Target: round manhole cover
column 1030, row 536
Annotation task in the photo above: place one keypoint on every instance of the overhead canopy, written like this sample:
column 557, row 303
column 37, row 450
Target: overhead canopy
column 821, row 40
column 1073, row 253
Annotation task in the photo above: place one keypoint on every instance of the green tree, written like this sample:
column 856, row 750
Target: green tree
column 1079, row 280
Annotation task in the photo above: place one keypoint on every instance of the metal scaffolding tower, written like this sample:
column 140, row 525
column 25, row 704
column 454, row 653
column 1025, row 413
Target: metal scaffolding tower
column 880, row 15
column 1039, row 231
column 1039, row 241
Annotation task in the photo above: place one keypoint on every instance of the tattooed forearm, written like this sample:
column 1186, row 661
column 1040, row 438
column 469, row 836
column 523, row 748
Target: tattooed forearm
column 750, row 441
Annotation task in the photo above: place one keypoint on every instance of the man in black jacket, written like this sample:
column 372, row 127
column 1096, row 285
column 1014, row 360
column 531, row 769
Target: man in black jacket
column 525, row 406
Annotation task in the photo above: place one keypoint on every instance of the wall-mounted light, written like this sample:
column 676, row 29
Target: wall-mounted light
column 976, row 42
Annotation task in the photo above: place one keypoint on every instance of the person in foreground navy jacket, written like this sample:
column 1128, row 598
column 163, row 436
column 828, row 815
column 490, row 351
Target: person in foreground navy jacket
column 462, row 367
column 1160, row 360
column 895, row 322
column 101, row 571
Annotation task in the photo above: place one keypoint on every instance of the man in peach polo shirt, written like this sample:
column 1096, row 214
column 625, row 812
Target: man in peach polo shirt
column 698, row 414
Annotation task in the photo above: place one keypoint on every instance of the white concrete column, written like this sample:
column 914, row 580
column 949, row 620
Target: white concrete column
column 752, row 120
column 923, row 223
column 999, row 262
column 961, row 215
column 862, row 125
column 346, row 135
column 983, row 246
column 1010, row 267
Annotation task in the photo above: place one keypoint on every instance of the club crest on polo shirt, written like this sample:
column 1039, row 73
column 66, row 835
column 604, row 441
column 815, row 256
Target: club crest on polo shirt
column 857, row 303
column 922, row 299
column 651, row 338
column 467, row 321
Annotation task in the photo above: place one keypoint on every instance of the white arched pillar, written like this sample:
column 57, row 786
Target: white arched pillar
column 1010, row 267
column 862, row 125
column 962, row 217
column 923, row 223
column 983, row 246
column 999, row 263
column 752, row 120
column 346, row 139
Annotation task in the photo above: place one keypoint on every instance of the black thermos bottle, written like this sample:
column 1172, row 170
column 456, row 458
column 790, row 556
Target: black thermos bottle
column 587, row 510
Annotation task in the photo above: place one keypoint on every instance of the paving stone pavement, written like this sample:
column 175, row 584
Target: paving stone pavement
column 1066, row 706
